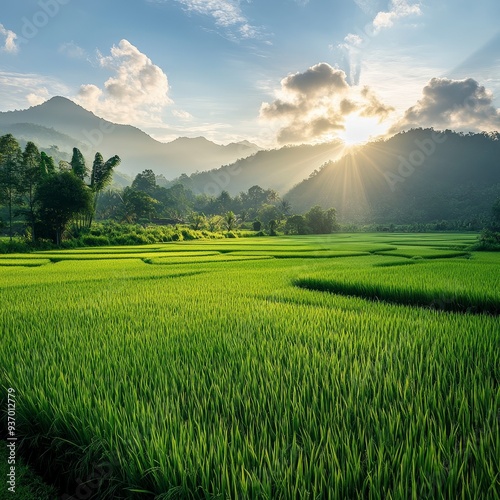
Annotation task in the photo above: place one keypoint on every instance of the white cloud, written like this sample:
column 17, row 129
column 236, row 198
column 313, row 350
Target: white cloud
column 398, row 10
column 10, row 40
column 367, row 6
column 353, row 40
column 20, row 90
column 182, row 115
column 455, row 104
column 349, row 53
column 227, row 14
column 72, row 50
column 136, row 93
column 38, row 97
column 312, row 106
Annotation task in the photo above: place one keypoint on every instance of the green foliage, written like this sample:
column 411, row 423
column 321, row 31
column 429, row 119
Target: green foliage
column 138, row 205
column 77, row 164
column 488, row 241
column 296, row 224
column 31, row 174
column 197, row 221
column 47, row 165
column 272, row 226
column 229, row 221
column 495, row 216
column 29, row 486
column 10, row 176
column 268, row 213
column 321, row 221
column 102, row 172
column 61, row 197
column 145, row 182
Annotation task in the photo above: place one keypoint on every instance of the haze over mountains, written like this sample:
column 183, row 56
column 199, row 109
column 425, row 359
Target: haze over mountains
column 278, row 169
column 415, row 176
column 61, row 122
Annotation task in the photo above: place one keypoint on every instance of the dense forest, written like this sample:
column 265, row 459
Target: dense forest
column 44, row 201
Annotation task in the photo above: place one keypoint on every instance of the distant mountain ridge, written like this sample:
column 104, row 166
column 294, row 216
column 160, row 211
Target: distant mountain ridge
column 59, row 121
column 278, row 169
column 415, row 176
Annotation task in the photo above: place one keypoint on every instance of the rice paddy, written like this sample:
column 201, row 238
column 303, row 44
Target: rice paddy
column 339, row 366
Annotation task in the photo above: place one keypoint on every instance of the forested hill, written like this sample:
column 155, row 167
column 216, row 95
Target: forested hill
column 415, row 176
column 278, row 169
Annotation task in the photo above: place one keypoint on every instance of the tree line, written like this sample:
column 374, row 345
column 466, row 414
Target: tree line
column 257, row 209
column 48, row 201
column 46, row 198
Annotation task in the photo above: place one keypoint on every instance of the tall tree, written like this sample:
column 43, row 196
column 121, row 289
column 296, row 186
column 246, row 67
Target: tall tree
column 101, row 176
column 10, row 162
column 285, row 207
column 47, row 164
column 296, row 224
column 230, row 221
column 138, row 205
column 321, row 221
column 78, row 164
column 60, row 198
column 145, row 182
column 31, row 173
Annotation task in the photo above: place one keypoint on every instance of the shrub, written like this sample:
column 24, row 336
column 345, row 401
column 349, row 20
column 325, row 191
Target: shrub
column 14, row 246
column 91, row 240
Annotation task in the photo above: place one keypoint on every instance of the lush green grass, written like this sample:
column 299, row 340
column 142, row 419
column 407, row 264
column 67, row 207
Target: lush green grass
column 28, row 486
column 450, row 284
column 224, row 380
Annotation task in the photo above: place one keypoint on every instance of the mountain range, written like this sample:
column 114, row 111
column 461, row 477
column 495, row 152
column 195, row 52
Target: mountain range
column 61, row 122
column 278, row 169
column 415, row 176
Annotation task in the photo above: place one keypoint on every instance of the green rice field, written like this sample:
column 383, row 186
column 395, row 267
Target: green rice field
column 339, row 366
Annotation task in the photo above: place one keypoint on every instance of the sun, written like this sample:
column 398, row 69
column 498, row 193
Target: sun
column 360, row 129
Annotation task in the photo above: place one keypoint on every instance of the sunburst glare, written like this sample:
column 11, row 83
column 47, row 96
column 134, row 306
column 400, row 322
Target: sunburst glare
column 359, row 129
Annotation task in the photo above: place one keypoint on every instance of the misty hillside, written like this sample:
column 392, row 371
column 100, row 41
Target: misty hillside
column 416, row 176
column 63, row 123
column 278, row 169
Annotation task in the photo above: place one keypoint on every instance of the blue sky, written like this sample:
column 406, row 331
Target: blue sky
column 271, row 71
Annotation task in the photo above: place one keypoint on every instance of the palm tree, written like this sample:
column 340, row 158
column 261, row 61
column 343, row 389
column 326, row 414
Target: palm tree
column 230, row 221
column 285, row 207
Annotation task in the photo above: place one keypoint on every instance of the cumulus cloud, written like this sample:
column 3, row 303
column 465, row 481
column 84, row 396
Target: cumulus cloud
column 38, row 97
column 226, row 14
column 398, row 10
column 313, row 105
column 136, row 93
column 9, row 44
column 454, row 104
